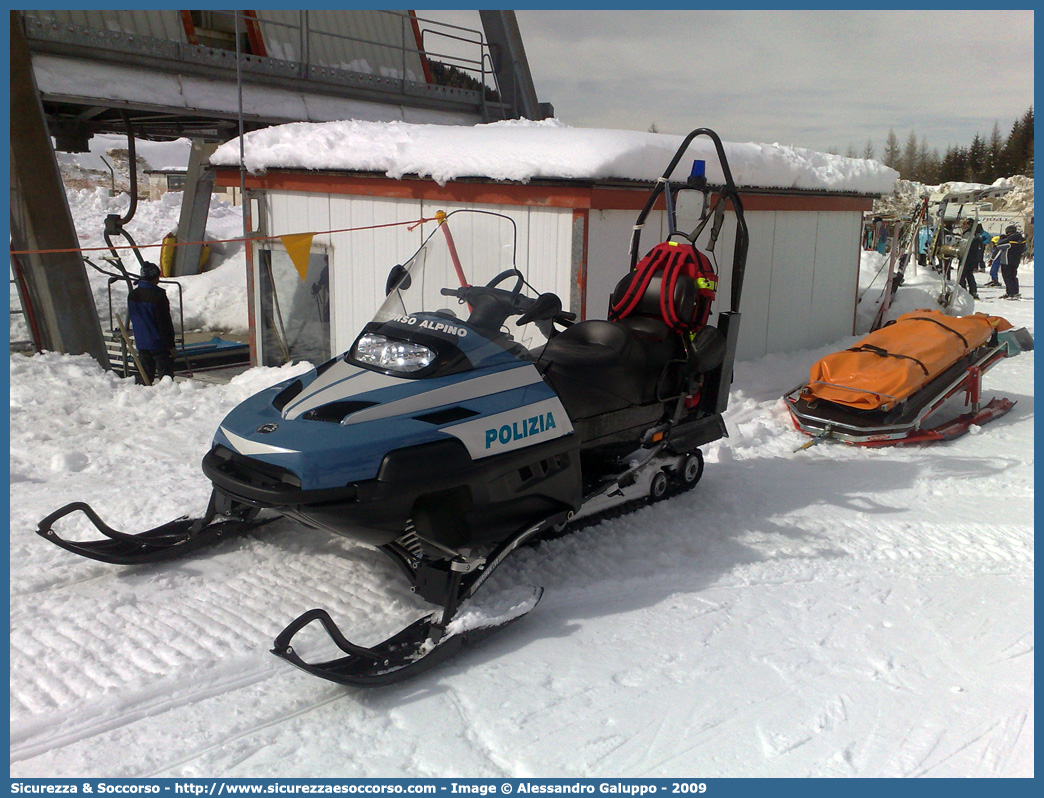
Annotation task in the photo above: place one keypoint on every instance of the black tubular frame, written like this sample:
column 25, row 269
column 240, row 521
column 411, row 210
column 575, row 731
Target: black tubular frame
column 728, row 191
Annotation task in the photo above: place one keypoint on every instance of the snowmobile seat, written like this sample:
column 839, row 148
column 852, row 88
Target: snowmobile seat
column 646, row 317
column 600, row 366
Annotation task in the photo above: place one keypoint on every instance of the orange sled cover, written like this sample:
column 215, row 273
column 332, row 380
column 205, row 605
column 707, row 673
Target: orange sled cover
column 893, row 363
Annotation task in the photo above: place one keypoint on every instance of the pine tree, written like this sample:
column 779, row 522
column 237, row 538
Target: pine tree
column 850, row 151
column 995, row 155
column 945, row 165
column 984, row 161
column 892, row 152
column 960, row 164
column 932, row 168
column 954, row 165
column 1018, row 149
column 1028, row 120
column 908, row 160
column 924, row 161
column 1026, row 167
column 975, row 168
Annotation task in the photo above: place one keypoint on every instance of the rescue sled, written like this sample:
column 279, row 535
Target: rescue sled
column 883, row 390
column 472, row 415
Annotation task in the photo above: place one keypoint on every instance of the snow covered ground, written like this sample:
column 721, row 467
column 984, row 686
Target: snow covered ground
column 830, row 612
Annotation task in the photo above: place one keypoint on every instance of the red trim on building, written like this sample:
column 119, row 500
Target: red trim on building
column 578, row 197
column 257, row 42
column 804, row 202
column 190, row 28
column 581, row 271
column 355, row 185
column 420, row 46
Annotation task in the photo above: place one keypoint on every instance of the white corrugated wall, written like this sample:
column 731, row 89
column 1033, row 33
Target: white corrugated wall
column 799, row 289
column 360, row 260
column 608, row 242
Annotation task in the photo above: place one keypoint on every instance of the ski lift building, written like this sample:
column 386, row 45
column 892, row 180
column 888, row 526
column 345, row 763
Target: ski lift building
column 800, row 288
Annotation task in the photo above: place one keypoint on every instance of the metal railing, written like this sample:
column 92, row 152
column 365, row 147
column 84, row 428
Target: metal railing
column 26, row 344
column 464, row 49
column 480, row 68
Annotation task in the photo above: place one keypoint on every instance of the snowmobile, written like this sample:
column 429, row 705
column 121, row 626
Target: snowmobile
column 882, row 390
column 473, row 415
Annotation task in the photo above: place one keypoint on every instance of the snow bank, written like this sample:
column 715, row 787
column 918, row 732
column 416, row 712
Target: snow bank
column 906, row 194
column 92, row 168
column 214, row 300
column 524, row 150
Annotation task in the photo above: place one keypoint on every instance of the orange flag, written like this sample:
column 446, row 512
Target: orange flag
column 299, row 247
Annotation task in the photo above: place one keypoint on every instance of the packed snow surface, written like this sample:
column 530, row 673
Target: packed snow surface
column 835, row 611
column 524, row 150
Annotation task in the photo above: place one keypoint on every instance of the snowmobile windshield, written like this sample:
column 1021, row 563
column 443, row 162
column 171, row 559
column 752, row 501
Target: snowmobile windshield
column 465, row 276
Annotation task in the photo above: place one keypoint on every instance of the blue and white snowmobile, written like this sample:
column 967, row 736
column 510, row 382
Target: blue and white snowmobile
column 472, row 415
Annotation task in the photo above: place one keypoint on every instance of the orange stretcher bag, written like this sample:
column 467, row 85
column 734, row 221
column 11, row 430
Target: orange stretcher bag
column 893, row 363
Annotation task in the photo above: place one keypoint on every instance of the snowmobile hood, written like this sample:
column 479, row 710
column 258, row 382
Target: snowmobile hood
column 338, row 428
column 364, row 395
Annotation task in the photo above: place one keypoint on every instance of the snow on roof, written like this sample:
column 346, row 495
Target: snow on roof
column 524, row 150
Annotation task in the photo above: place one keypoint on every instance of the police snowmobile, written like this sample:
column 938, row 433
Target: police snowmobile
column 472, row 415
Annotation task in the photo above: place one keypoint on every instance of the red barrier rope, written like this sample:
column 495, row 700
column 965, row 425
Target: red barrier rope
column 411, row 224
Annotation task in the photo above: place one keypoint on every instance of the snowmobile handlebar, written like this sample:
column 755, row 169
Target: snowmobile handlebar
column 491, row 307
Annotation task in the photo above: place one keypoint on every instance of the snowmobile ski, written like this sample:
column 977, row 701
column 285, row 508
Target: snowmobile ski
column 434, row 638
column 425, row 642
column 165, row 542
column 412, row 651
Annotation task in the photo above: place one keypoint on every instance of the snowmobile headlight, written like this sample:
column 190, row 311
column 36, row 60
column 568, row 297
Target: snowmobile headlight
column 384, row 353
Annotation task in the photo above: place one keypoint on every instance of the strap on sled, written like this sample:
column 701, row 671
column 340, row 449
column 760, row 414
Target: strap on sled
column 877, row 350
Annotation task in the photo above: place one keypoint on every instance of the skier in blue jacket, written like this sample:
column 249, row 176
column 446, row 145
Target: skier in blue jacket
column 148, row 311
column 1012, row 244
column 924, row 238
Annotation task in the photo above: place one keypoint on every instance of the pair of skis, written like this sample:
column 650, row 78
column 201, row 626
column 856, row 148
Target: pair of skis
column 414, row 649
